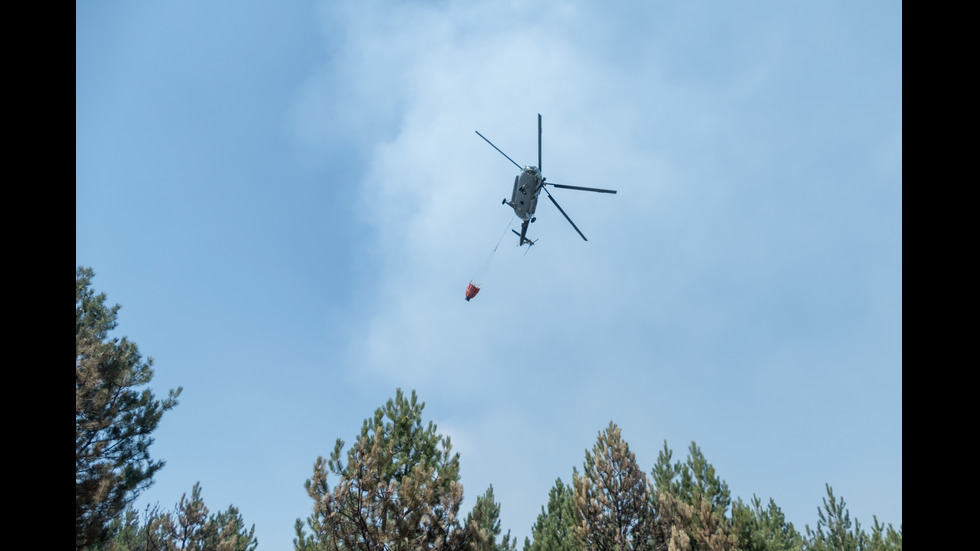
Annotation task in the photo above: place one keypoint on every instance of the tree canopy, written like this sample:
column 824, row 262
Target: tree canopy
column 554, row 529
column 397, row 488
column 190, row 526
column 485, row 517
column 612, row 497
column 115, row 415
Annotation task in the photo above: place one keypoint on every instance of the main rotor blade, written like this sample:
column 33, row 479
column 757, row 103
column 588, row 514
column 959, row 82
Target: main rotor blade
column 563, row 213
column 498, row 149
column 583, row 188
column 540, row 170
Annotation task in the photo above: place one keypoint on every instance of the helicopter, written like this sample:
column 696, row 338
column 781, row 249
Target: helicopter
column 528, row 185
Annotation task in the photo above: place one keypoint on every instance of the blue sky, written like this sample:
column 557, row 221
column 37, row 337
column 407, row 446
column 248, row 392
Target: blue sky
column 288, row 199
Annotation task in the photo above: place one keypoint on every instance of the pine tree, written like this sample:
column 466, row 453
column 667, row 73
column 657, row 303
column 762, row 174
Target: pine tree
column 113, row 419
column 699, row 483
column 398, row 490
column 612, row 498
column 883, row 538
column 764, row 529
column 666, row 475
column 834, row 532
column 554, row 529
column 124, row 533
column 690, row 502
column 485, row 518
column 232, row 529
column 190, row 527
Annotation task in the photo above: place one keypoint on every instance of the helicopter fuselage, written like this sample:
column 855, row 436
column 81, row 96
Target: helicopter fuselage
column 524, row 198
column 528, row 185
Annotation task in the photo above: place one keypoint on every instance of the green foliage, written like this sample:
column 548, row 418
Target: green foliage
column 686, row 511
column 691, row 502
column 123, row 533
column 398, row 489
column 113, row 418
column 666, row 475
column 304, row 541
column 190, row 527
column 882, row 538
column 834, row 531
column 231, row 528
column 554, row 529
column 766, row 529
column 693, row 481
column 485, row 518
column 612, row 498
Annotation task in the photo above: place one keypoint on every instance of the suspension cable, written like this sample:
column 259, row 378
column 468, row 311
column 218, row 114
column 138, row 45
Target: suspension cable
column 486, row 265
